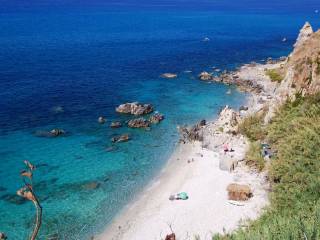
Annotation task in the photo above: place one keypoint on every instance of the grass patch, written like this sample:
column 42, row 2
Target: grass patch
column 252, row 127
column 294, row 173
column 254, row 157
column 274, row 75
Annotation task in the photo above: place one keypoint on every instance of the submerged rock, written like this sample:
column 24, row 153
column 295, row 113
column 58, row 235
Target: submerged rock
column 121, row 138
column 57, row 132
column 116, row 124
column 53, row 133
column 57, row 109
column 102, row 120
column 135, row 108
column 91, row 186
column 239, row 192
column 156, row 118
column 14, row 199
column 205, row 76
column 139, row 123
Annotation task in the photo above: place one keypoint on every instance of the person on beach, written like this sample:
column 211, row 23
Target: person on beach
column 225, row 148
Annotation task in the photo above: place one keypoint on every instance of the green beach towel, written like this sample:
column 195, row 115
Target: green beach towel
column 183, row 196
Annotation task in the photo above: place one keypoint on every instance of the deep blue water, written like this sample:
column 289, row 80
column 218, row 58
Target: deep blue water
column 87, row 58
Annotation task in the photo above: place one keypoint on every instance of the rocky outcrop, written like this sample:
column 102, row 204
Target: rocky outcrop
column 229, row 119
column 239, row 192
column 121, row 138
column 205, row 76
column 139, row 123
column 191, row 134
column 135, row 108
column 116, row 124
column 301, row 71
column 53, row 133
column 156, row 118
column 305, row 33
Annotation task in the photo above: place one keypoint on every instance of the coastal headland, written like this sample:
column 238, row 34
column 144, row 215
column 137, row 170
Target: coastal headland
column 203, row 168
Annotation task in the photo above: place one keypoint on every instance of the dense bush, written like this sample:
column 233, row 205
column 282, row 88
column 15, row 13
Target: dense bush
column 274, row 75
column 252, row 127
column 254, row 157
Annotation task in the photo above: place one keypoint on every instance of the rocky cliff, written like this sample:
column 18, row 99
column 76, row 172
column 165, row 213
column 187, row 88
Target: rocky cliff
column 302, row 69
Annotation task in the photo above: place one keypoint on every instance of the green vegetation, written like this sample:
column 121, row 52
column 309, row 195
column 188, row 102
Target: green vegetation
column 294, row 174
column 252, row 127
column 254, row 157
column 274, row 75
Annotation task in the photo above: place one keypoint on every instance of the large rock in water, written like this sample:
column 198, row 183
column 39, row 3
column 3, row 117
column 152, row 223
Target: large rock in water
column 122, row 138
column 139, row 123
column 239, row 192
column 116, row 124
column 135, row 108
column 305, row 33
column 156, row 118
column 205, row 76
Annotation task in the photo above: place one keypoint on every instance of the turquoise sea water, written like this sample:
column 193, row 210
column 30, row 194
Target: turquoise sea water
column 89, row 58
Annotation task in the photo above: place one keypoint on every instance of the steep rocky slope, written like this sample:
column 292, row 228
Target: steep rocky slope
column 302, row 69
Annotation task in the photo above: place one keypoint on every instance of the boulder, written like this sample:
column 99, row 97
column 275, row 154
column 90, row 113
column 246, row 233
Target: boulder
column 243, row 108
column 121, row 138
column 194, row 133
column 139, row 123
column 116, row 124
column 156, row 118
column 101, row 120
column 202, row 123
column 205, row 76
column 135, row 108
column 169, row 75
column 57, row 132
column 171, row 236
column 3, row 236
column 239, row 192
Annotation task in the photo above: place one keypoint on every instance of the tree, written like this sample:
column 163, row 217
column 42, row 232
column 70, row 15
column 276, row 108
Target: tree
column 28, row 193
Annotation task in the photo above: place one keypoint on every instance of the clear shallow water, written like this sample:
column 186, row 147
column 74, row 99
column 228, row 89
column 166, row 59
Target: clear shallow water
column 88, row 61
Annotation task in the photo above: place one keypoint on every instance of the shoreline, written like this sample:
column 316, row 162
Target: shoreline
column 197, row 168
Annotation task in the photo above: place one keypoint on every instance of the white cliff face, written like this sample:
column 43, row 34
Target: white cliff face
column 305, row 33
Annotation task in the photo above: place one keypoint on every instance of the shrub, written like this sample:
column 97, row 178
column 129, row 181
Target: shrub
column 252, row 127
column 254, row 157
column 274, row 75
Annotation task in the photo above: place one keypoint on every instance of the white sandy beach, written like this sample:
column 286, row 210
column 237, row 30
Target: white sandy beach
column 195, row 168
